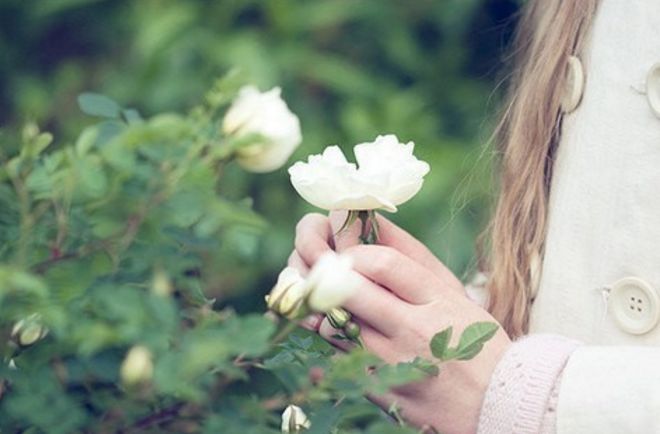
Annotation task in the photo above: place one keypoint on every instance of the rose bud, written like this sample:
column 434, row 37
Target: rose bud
column 287, row 298
column 352, row 330
column 161, row 284
column 137, row 367
column 316, row 374
column 294, row 420
column 28, row 331
column 338, row 317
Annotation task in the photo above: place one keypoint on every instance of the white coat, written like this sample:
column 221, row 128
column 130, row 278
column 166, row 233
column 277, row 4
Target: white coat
column 604, row 226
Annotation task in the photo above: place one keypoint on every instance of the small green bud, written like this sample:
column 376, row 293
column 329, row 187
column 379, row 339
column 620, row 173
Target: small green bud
column 352, row 330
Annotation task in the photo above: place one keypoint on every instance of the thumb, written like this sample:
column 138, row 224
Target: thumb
column 344, row 237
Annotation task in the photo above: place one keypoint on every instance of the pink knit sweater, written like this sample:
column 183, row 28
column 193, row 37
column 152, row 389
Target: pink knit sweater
column 523, row 391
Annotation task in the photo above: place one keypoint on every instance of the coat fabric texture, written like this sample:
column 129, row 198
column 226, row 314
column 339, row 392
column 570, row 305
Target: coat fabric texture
column 599, row 337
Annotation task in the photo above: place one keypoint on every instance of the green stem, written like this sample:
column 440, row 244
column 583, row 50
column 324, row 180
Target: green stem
column 369, row 232
column 283, row 333
column 26, row 222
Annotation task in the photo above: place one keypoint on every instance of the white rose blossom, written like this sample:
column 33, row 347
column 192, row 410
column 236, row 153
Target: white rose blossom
column 294, row 420
column 265, row 114
column 387, row 174
column 332, row 281
column 329, row 284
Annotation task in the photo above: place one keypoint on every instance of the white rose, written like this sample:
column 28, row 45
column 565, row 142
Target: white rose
column 287, row 298
column 266, row 114
column 387, row 175
column 294, row 420
column 137, row 367
column 331, row 282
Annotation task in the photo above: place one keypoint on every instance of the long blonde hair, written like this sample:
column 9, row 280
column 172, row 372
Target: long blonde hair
column 527, row 136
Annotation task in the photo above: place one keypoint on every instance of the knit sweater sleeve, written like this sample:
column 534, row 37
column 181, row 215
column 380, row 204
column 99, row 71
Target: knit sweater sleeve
column 523, row 391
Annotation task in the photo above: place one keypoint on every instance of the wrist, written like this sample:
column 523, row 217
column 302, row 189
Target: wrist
column 451, row 402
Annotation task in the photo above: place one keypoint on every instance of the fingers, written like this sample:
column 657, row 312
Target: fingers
column 297, row 262
column 377, row 307
column 372, row 305
column 390, row 234
column 313, row 238
column 312, row 322
column 404, row 277
column 344, row 237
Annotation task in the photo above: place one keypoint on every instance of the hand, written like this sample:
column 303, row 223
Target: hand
column 407, row 295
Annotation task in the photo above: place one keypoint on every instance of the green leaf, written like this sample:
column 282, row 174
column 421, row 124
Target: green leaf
column 86, row 140
column 440, row 343
column 95, row 104
column 39, row 401
column 36, row 146
column 93, row 182
column 473, row 339
column 132, row 116
column 324, row 419
column 426, row 366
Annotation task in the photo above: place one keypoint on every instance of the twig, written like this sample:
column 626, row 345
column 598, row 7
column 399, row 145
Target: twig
column 157, row 418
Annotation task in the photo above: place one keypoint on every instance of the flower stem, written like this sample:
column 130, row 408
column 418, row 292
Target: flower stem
column 283, row 333
column 369, row 232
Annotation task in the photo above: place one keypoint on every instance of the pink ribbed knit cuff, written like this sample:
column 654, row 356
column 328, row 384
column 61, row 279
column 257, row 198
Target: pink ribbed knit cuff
column 520, row 388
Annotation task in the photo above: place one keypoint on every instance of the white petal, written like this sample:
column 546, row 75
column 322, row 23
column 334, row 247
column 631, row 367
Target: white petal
column 332, row 281
column 325, row 179
column 268, row 115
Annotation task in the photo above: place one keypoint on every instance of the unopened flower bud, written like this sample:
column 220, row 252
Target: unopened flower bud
column 287, row 298
column 161, row 284
column 316, row 374
column 137, row 367
column 352, row 330
column 294, row 420
column 338, row 317
column 28, row 331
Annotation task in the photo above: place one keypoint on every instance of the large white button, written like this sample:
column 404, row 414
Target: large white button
column 653, row 88
column 634, row 305
column 574, row 85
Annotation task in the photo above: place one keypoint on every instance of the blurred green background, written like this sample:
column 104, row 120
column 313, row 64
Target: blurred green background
column 426, row 70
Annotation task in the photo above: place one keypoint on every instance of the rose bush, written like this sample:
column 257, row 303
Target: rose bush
column 109, row 247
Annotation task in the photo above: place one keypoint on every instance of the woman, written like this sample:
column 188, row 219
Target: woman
column 574, row 264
